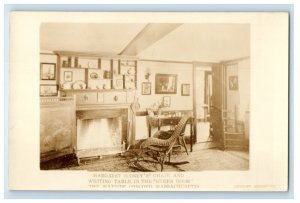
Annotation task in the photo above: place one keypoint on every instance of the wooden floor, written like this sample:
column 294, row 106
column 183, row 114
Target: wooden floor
column 198, row 160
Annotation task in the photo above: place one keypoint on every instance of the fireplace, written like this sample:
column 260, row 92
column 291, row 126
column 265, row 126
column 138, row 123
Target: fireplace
column 101, row 132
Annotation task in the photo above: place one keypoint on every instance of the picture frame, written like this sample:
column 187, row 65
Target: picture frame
column 119, row 83
column 47, row 71
column 233, row 83
column 48, row 90
column 165, row 84
column 166, row 101
column 185, row 90
column 146, row 88
column 68, row 76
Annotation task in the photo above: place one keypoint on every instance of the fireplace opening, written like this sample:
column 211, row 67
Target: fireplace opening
column 101, row 132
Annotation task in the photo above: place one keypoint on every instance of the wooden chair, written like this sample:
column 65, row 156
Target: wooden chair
column 163, row 147
column 161, row 134
column 233, row 131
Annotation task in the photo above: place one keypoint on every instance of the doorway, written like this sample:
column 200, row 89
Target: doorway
column 202, row 102
column 208, row 103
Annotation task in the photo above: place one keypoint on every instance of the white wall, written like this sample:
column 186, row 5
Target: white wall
column 184, row 75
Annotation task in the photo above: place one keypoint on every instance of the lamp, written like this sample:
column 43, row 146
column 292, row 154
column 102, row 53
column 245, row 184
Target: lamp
column 147, row 73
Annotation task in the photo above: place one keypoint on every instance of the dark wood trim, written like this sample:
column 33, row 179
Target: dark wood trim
column 101, row 106
column 58, row 65
column 194, row 101
column 100, row 113
column 141, row 113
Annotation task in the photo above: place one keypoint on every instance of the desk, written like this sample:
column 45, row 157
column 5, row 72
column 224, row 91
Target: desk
column 162, row 120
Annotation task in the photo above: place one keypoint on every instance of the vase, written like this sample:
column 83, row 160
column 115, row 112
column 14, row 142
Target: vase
column 159, row 111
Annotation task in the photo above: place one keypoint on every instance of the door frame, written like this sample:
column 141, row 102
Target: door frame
column 195, row 65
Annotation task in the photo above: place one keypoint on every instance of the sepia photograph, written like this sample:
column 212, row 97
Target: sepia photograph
column 185, row 90
column 214, row 123
column 165, row 83
column 99, row 121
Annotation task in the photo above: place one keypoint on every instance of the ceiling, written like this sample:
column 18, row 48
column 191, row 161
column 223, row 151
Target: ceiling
column 175, row 42
column 85, row 37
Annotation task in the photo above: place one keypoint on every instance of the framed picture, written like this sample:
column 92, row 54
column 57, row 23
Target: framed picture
column 118, row 84
column 48, row 90
column 233, row 83
column 185, row 90
column 167, row 101
column 146, row 88
column 68, row 76
column 48, row 71
column 165, row 84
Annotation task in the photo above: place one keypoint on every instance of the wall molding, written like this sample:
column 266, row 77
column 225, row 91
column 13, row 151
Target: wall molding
column 235, row 60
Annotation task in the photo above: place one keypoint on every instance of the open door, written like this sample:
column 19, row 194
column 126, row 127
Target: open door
column 216, row 105
column 202, row 95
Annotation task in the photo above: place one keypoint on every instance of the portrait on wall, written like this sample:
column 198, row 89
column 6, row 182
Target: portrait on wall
column 146, row 88
column 185, row 90
column 165, row 84
column 233, row 83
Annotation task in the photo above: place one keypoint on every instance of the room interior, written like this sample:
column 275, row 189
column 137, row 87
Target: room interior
column 106, row 88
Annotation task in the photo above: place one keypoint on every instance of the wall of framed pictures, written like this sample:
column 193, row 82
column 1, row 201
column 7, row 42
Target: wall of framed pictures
column 159, row 80
column 48, row 75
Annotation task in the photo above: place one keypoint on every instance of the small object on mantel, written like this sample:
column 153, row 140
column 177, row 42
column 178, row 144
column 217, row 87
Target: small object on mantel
column 79, row 85
column 69, row 61
column 67, row 86
column 65, row 63
column 76, row 62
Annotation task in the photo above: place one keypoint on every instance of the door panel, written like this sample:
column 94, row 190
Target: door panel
column 216, row 104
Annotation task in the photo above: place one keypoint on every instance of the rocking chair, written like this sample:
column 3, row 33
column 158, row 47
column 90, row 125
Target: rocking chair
column 163, row 147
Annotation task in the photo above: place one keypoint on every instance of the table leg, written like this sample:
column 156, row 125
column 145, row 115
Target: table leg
column 159, row 123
